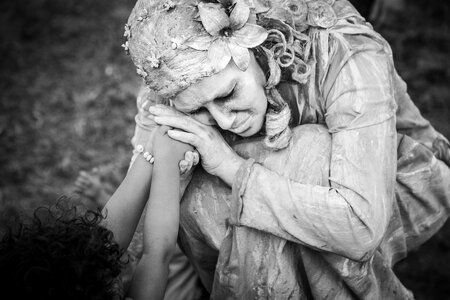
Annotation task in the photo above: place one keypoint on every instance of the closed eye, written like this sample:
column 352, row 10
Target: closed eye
column 227, row 98
column 197, row 111
column 222, row 100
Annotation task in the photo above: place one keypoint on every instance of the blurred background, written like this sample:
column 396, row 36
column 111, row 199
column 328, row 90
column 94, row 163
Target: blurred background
column 67, row 100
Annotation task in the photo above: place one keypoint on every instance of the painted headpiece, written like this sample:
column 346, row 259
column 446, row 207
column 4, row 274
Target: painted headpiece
column 175, row 43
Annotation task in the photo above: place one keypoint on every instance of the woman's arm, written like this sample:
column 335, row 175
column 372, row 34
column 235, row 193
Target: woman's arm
column 161, row 220
column 349, row 217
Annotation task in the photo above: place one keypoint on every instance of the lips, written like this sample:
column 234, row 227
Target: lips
column 239, row 124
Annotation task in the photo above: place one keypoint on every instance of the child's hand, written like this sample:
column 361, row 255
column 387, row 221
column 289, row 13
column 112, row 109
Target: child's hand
column 166, row 148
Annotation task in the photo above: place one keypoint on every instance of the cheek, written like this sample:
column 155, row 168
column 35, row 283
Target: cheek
column 259, row 102
column 259, row 109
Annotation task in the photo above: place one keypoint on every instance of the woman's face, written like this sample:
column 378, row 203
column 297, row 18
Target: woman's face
column 231, row 99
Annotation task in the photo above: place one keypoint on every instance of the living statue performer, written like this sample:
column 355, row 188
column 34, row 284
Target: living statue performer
column 280, row 209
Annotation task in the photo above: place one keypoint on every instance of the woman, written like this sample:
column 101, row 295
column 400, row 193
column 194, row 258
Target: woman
column 291, row 211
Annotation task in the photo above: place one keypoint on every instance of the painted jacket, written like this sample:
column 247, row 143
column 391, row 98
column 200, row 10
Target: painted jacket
column 327, row 217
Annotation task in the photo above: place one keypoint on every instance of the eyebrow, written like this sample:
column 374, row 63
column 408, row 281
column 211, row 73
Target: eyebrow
column 221, row 94
column 228, row 91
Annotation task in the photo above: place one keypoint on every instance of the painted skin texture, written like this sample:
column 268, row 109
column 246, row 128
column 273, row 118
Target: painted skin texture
column 340, row 223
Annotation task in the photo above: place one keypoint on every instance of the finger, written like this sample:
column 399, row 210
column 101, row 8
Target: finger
column 189, row 156
column 164, row 110
column 184, row 123
column 192, row 156
column 185, row 137
column 196, row 157
column 183, row 164
column 189, row 165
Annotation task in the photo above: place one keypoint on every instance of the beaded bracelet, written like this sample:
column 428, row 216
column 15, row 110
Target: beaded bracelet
column 148, row 157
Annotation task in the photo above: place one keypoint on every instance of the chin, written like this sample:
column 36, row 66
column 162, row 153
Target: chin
column 247, row 133
column 252, row 129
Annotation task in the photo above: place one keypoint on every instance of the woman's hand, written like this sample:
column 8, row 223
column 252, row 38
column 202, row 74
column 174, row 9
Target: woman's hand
column 191, row 158
column 217, row 157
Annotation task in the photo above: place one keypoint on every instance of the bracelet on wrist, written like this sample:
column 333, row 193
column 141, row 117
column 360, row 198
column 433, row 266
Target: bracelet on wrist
column 147, row 156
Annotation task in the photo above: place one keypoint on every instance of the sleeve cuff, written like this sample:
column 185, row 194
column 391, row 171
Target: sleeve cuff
column 238, row 189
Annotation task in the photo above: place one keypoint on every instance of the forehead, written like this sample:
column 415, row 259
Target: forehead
column 194, row 96
column 204, row 91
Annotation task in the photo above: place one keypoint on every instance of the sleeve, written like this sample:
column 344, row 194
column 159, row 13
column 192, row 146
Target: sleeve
column 350, row 216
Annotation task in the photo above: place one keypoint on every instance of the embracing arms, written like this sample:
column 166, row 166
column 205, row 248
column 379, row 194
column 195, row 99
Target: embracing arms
column 349, row 216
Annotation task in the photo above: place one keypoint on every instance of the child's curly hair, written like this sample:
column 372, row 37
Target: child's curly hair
column 59, row 254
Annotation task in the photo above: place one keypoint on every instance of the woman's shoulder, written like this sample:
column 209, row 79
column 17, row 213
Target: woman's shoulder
column 346, row 34
column 349, row 35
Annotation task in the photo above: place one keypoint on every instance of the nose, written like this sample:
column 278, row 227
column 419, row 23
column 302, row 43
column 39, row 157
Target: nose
column 223, row 118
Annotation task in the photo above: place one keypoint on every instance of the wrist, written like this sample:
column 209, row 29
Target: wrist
column 146, row 155
column 229, row 171
column 167, row 164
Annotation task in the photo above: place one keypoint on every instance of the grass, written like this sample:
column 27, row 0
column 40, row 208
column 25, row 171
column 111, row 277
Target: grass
column 68, row 101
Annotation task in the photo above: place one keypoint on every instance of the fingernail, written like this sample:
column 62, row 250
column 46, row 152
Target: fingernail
column 196, row 158
column 189, row 156
column 183, row 166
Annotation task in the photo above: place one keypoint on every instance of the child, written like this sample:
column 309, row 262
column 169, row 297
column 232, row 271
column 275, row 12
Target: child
column 161, row 221
column 64, row 256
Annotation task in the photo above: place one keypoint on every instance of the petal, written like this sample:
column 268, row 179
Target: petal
column 239, row 15
column 219, row 54
column 200, row 42
column 213, row 17
column 240, row 55
column 249, row 36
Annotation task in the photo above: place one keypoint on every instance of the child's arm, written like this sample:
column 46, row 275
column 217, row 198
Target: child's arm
column 161, row 221
column 124, row 208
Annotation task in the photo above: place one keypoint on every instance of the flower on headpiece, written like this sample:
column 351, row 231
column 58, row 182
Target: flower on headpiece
column 153, row 59
column 229, row 36
column 168, row 5
column 127, row 32
column 141, row 72
column 143, row 16
column 125, row 46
